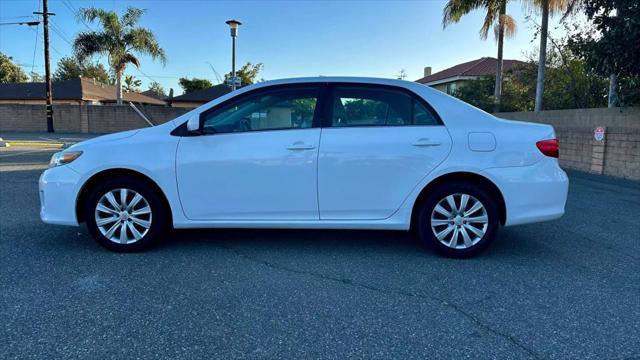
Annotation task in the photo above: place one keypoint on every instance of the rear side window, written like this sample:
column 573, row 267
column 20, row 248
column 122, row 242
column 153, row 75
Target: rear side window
column 422, row 115
column 370, row 106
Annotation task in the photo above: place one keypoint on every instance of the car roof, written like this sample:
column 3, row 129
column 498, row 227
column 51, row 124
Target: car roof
column 336, row 79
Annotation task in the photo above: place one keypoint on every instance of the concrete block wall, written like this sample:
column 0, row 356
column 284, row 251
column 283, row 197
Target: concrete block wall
column 618, row 154
column 96, row 119
column 29, row 118
column 621, row 153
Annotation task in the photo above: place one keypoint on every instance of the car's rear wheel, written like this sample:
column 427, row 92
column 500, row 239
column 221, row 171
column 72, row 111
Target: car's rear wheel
column 125, row 215
column 458, row 219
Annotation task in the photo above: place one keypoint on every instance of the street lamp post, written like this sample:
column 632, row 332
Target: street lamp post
column 233, row 26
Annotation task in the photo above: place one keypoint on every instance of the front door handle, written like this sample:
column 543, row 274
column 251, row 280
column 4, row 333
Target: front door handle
column 425, row 142
column 300, row 145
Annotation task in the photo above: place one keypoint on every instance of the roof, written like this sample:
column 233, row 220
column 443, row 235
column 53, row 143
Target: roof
column 153, row 94
column 72, row 89
column 478, row 67
column 204, row 95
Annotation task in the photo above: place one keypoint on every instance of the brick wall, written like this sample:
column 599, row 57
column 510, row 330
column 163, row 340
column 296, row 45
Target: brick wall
column 97, row 119
column 618, row 154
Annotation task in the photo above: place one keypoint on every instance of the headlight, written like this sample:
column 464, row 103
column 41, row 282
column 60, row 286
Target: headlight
column 63, row 158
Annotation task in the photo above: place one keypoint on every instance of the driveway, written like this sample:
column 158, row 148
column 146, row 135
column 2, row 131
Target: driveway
column 563, row 289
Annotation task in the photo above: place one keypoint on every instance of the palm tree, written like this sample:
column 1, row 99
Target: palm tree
column 120, row 39
column 131, row 84
column 496, row 17
column 547, row 7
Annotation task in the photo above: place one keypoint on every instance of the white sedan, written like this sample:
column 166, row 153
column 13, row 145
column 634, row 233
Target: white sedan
column 316, row 153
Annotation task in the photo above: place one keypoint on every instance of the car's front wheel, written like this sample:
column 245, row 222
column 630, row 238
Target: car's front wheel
column 125, row 215
column 458, row 219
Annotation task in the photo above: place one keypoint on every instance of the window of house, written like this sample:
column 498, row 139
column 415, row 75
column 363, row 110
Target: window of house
column 451, row 88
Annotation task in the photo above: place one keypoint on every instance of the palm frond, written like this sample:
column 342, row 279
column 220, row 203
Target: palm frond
column 493, row 13
column 509, row 24
column 555, row 6
column 454, row 10
column 87, row 44
column 131, row 16
column 143, row 41
column 108, row 19
column 125, row 59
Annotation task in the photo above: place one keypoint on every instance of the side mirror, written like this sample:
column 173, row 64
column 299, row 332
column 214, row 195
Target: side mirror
column 193, row 124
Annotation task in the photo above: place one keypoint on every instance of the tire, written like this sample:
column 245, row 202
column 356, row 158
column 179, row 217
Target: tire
column 463, row 232
column 144, row 223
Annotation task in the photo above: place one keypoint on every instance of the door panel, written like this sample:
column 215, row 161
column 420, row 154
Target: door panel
column 258, row 175
column 381, row 143
column 258, row 161
column 367, row 172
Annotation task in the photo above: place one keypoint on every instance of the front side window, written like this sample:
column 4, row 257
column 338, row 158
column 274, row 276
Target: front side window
column 268, row 110
column 369, row 106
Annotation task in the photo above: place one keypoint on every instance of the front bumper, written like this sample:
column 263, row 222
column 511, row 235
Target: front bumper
column 532, row 193
column 59, row 189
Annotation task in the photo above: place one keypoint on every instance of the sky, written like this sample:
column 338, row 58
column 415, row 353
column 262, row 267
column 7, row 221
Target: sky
column 291, row 38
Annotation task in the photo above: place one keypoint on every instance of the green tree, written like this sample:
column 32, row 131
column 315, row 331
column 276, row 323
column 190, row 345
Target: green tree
column 120, row 39
column 157, row 89
column 517, row 92
column 194, row 84
column 570, row 83
column 70, row 68
column 495, row 17
column 615, row 51
column 10, row 72
column 131, row 84
column 247, row 73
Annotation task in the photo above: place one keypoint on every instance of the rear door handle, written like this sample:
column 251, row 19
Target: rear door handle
column 300, row 145
column 424, row 142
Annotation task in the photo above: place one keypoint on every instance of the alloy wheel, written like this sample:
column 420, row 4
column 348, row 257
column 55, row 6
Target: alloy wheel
column 123, row 216
column 459, row 221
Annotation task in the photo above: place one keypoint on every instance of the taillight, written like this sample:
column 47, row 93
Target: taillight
column 549, row 147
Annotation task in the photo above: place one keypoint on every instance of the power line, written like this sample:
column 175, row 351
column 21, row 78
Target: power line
column 17, row 17
column 60, row 32
column 75, row 13
column 145, row 75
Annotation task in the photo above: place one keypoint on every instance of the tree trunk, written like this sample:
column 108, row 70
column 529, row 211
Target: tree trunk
column 613, row 91
column 543, row 55
column 119, row 87
column 498, row 89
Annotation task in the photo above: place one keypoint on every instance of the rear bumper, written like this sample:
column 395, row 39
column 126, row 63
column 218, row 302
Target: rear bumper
column 58, row 193
column 532, row 193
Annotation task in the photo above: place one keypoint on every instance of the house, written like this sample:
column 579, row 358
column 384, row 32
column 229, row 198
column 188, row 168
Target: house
column 448, row 80
column 78, row 91
column 196, row 98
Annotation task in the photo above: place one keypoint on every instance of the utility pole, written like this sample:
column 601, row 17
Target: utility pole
column 47, row 64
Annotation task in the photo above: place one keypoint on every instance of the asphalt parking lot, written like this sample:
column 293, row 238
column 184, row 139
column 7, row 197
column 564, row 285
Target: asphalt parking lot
column 563, row 289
